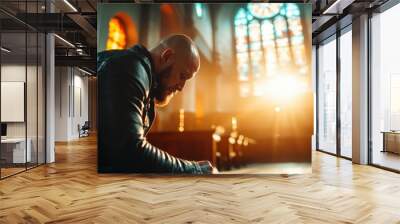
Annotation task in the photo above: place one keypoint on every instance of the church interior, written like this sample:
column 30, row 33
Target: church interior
column 250, row 102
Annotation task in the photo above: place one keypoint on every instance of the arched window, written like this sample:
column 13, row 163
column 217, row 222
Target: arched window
column 269, row 41
column 117, row 38
column 122, row 32
column 199, row 9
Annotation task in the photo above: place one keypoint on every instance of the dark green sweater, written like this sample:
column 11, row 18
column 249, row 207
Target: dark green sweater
column 125, row 114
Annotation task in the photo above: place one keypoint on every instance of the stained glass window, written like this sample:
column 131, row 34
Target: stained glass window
column 116, row 34
column 264, row 10
column 269, row 41
column 242, row 45
column 199, row 9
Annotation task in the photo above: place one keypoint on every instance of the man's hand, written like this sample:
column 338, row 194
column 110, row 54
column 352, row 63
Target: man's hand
column 207, row 168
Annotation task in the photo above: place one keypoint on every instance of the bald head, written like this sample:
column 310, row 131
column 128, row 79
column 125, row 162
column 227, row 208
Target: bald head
column 176, row 60
column 183, row 49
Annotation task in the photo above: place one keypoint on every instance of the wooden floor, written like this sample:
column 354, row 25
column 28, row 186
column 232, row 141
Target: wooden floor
column 5, row 172
column 70, row 191
column 10, row 171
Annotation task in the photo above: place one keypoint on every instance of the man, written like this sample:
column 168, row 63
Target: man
column 130, row 83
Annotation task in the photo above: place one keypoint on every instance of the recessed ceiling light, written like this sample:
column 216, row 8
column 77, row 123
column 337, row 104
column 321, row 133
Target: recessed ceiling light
column 84, row 71
column 65, row 41
column 337, row 7
column 70, row 5
column 5, row 50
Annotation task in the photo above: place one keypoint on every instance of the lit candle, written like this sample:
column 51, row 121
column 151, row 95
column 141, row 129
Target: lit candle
column 234, row 123
column 181, row 120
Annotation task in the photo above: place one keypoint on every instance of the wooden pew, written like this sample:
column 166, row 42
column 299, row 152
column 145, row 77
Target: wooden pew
column 189, row 145
column 231, row 150
column 223, row 147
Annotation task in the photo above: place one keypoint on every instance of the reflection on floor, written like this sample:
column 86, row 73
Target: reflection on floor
column 71, row 191
column 13, row 169
column 10, row 171
column 272, row 168
column 387, row 159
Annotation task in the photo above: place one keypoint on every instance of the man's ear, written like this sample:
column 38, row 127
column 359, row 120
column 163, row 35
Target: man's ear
column 167, row 56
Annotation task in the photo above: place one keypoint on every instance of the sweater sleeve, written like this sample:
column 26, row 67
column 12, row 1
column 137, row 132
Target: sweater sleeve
column 128, row 97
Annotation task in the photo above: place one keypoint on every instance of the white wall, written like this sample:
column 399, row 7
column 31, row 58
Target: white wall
column 33, row 127
column 61, row 103
column 16, row 73
column 71, row 94
column 79, row 117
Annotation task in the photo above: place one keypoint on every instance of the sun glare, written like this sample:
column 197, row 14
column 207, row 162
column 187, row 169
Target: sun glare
column 284, row 88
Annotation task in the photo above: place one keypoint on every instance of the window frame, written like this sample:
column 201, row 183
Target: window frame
column 251, row 77
column 335, row 36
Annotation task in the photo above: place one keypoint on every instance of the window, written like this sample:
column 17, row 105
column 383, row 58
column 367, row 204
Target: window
column 199, row 9
column 327, row 96
column 346, row 94
column 394, row 102
column 385, row 89
column 269, row 41
column 116, row 34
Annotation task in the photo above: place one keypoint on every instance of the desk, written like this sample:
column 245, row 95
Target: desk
column 13, row 150
column 391, row 141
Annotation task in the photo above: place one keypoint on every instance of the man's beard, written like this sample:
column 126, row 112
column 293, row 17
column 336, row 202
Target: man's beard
column 161, row 95
column 164, row 101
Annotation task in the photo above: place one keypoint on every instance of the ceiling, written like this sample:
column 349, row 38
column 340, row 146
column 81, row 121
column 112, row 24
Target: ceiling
column 76, row 22
column 73, row 20
column 328, row 15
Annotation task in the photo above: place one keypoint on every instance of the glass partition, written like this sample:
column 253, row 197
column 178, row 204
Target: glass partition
column 14, row 153
column 327, row 96
column 22, row 102
column 346, row 93
column 385, row 89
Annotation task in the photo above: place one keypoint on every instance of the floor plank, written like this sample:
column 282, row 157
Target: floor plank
column 71, row 191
